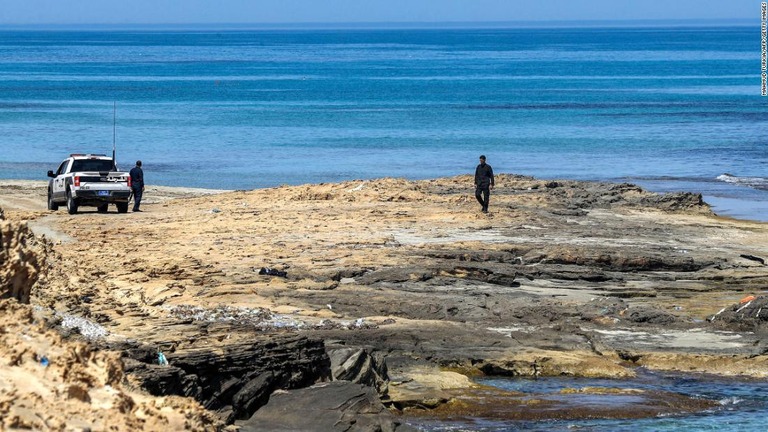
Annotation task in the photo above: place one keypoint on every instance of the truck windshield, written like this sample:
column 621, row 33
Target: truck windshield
column 93, row 165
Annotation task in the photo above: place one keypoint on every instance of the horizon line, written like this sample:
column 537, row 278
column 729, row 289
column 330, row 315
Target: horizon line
column 671, row 22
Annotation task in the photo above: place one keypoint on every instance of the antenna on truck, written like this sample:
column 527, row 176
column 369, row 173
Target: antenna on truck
column 114, row 131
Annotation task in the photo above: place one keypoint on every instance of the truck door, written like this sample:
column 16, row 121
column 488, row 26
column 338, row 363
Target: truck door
column 59, row 190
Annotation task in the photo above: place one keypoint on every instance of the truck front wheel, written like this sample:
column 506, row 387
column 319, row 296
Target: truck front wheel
column 71, row 204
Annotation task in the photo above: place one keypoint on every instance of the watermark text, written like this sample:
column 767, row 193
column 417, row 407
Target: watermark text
column 764, row 48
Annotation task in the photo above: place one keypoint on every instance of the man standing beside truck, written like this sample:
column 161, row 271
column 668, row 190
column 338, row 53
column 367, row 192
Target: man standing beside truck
column 137, row 184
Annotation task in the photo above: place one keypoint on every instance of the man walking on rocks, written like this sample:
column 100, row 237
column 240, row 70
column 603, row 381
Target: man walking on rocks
column 483, row 183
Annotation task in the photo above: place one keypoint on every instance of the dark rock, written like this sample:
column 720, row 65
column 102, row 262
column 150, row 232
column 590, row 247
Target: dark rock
column 622, row 261
column 753, row 258
column 358, row 365
column 676, row 201
column 256, row 392
column 164, row 380
column 625, row 187
column 236, row 380
column 272, row 272
column 397, row 274
column 569, row 212
column 650, row 315
column 333, row 406
column 750, row 314
column 602, row 307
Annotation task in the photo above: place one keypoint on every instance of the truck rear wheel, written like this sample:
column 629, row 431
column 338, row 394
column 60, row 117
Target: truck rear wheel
column 51, row 205
column 122, row 207
column 72, row 204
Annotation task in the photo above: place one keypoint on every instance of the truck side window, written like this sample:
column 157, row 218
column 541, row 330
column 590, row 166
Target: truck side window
column 62, row 167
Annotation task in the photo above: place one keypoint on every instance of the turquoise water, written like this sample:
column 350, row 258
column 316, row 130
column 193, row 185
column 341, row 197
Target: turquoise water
column 741, row 405
column 668, row 108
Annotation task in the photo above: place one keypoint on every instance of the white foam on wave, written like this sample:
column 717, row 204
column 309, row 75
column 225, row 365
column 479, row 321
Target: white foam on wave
column 753, row 182
column 733, row 400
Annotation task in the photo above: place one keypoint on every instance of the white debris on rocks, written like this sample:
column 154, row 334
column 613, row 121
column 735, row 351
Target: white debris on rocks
column 261, row 318
column 89, row 329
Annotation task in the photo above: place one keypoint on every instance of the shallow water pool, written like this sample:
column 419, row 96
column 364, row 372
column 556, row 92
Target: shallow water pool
column 739, row 404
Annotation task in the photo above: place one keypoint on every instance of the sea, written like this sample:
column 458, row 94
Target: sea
column 671, row 108
column 740, row 405
column 668, row 107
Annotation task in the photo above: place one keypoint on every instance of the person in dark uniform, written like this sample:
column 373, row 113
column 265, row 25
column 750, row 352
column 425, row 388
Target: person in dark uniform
column 137, row 184
column 483, row 183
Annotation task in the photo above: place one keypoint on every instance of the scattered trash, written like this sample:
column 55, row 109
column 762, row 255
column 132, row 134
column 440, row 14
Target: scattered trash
column 263, row 319
column 272, row 272
column 223, row 313
column 215, row 210
column 88, row 329
column 745, row 314
column 678, row 308
column 753, row 258
column 715, row 315
column 44, row 361
column 329, row 306
column 744, row 307
column 359, row 187
column 748, row 298
column 161, row 360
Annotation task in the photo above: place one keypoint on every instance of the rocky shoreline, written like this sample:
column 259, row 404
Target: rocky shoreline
column 395, row 293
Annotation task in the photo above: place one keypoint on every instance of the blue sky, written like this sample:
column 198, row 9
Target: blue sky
column 26, row 12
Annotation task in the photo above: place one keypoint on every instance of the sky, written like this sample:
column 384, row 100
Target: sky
column 78, row 12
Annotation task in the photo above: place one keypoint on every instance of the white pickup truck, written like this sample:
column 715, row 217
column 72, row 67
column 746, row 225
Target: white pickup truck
column 88, row 180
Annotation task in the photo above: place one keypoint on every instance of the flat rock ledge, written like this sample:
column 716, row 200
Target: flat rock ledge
column 391, row 294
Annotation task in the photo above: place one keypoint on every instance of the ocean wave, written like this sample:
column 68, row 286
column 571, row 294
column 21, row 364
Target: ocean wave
column 732, row 400
column 666, row 178
column 760, row 183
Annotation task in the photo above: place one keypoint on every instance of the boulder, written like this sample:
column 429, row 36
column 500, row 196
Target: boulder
column 236, row 380
column 358, row 365
column 750, row 314
column 332, row 406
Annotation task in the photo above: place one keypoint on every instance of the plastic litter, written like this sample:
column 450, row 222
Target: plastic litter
column 357, row 188
column 744, row 307
column 272, row 272
column 89, row 329
column 44, row 361
column 161, row 360
column 748, row 298
column 712, row 319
